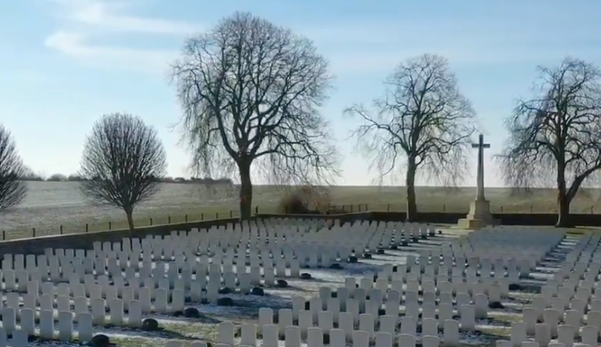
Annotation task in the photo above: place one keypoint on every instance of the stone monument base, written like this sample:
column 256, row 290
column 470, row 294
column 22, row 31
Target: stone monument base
column 478, row 217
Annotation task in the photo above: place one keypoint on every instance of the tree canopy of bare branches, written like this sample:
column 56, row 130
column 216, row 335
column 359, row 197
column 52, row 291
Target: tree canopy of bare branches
column 422, row 122
column 123, row 161
column 251, row 93
column 29, row 175
column 12, row 188
column 555, row 135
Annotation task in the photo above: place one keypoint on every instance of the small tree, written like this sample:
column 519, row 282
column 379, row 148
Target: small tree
column 122, row 162
column 29, row 175
column 251, row 93
column 12, row 188
column 555, row 136
column 57, row 178
column 423, row 120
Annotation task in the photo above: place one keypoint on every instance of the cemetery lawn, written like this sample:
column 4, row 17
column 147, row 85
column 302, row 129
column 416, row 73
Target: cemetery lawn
column 50, row 205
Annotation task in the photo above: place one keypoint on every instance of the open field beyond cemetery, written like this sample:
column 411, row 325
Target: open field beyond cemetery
column 52, row 204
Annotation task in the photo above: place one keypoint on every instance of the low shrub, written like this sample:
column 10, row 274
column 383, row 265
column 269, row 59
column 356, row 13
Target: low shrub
column 292, row 203
column 305, row 200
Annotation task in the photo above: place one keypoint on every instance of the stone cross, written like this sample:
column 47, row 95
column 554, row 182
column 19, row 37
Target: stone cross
column 480, row 178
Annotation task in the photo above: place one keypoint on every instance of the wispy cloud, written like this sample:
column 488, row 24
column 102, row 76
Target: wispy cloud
column 78, row 47
column 82, row 22
column 113, row 16
column 351, row 47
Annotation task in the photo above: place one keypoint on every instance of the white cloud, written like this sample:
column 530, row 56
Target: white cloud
column 110, row 15
column 360, row 47
column 78, row 47
column 88, row 20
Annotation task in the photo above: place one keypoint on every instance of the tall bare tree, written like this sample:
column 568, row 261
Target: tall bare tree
column 123, row 162
column 555, row 135
column 423, row 121
column 12, row 188
column 251, row 93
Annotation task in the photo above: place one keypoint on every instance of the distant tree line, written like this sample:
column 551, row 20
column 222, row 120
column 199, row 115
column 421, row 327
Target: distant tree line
column 28, row 175
column 31, row 176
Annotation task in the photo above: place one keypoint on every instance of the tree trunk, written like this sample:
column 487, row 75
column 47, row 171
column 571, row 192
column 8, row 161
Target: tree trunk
column 246, row 190
column 130, row 220
column 564, row 219
column 410, row 186
column 563, row 199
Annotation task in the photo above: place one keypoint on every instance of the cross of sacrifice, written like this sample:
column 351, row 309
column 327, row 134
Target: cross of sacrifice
column 480, row 177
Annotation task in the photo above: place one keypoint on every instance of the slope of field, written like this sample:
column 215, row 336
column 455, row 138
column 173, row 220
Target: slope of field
column 51, row 204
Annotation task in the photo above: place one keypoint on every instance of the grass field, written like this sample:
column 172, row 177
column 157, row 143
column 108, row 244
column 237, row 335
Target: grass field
column 50, row 205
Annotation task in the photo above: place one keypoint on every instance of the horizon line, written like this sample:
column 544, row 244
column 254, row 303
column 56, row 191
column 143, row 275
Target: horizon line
column 349, row 185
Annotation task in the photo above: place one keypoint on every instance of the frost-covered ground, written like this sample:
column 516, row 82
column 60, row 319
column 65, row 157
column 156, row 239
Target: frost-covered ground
column 246, row 307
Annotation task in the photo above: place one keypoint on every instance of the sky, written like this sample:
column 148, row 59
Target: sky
column 65, row 63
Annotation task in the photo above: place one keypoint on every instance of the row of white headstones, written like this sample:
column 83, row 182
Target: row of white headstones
column 569, row 305
column 295, row 332
column 430, row 325
column 36, row 274
column 467, row 311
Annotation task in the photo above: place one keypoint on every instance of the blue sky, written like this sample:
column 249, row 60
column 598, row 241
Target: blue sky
column 64, row 63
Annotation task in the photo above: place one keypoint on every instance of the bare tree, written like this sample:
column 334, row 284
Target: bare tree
column 251, row 91
column 12, row 188
column 123, row 162
column 555, row 136
column 29, row 175
column 422, row 122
